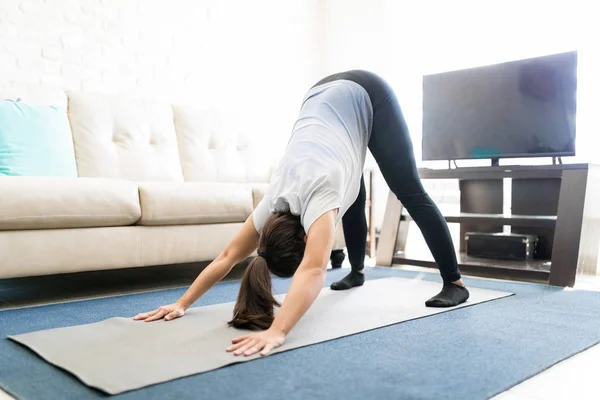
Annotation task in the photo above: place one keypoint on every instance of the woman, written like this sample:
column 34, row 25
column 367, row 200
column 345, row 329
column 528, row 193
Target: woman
column 318, row 183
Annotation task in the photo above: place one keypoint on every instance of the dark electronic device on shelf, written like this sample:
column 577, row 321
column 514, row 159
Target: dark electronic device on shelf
column 506, row 246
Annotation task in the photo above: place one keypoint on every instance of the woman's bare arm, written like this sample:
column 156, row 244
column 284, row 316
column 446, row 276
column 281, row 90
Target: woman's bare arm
column 304, row 289
column 310, row 276
column 240, row 248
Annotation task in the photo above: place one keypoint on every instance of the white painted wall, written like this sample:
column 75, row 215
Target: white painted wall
column 232, row 55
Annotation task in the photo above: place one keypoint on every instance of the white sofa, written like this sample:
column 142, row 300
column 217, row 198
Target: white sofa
column 157, row 184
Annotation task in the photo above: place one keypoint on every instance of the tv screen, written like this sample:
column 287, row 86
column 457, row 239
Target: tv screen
column 523, row 108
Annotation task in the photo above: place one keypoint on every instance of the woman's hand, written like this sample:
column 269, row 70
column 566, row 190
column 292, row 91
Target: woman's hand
column 168, row 312
column 255, row 342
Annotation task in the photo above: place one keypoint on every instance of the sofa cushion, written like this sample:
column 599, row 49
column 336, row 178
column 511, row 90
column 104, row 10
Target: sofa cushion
column 53, row 203
column 118, row 137
column 170, row 203
column 213, row 149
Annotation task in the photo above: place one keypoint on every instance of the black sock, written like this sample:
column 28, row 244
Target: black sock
column 450, row 296
column 351, row 280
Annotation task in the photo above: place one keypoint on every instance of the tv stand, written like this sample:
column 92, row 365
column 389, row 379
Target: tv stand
column 495, row 162
column 558, row 203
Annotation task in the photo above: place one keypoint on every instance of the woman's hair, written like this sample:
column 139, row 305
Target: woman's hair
column 280, row 251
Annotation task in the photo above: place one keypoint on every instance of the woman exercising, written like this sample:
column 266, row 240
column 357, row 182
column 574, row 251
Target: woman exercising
column 317, row 183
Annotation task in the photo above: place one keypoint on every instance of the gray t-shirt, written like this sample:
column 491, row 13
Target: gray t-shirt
column 325, row 156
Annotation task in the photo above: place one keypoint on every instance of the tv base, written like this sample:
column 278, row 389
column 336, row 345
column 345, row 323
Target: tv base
column 495, row 162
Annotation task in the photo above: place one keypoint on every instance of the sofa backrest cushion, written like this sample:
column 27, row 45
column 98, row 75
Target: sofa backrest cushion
column 127, row 138
column 213, row 148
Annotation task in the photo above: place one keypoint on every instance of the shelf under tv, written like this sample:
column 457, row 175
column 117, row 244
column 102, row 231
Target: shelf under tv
column 558, row 203
column 499, row 172
column 531, row 270
column 499, row 219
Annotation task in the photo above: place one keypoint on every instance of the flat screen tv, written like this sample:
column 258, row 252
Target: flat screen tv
column 523, row 108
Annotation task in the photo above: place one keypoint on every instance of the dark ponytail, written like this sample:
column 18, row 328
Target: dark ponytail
column 280, row 251
column 254, row 309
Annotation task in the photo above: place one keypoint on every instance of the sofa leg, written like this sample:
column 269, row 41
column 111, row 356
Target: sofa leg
column 337, row 258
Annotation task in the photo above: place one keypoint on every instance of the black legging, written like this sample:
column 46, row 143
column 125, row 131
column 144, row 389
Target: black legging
column 392, row 149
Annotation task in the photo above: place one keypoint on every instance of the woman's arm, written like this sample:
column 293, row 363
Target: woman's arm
column 308, row 280
column 242, row 245
column 240, row 248
column 304, row 289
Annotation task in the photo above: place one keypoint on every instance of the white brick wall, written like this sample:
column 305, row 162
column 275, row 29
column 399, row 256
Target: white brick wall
column 253, row 57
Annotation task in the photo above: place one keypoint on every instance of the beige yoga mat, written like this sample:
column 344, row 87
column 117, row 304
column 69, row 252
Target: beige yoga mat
column 118, row 354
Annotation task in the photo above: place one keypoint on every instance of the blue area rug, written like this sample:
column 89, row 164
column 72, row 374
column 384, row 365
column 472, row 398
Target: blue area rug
column 469, row 353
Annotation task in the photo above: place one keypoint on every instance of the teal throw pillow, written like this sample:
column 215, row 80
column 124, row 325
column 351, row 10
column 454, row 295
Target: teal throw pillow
column 35, row 141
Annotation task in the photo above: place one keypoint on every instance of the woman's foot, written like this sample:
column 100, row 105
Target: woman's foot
column 351, row 280
column 452, row 294
column 337, row 258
